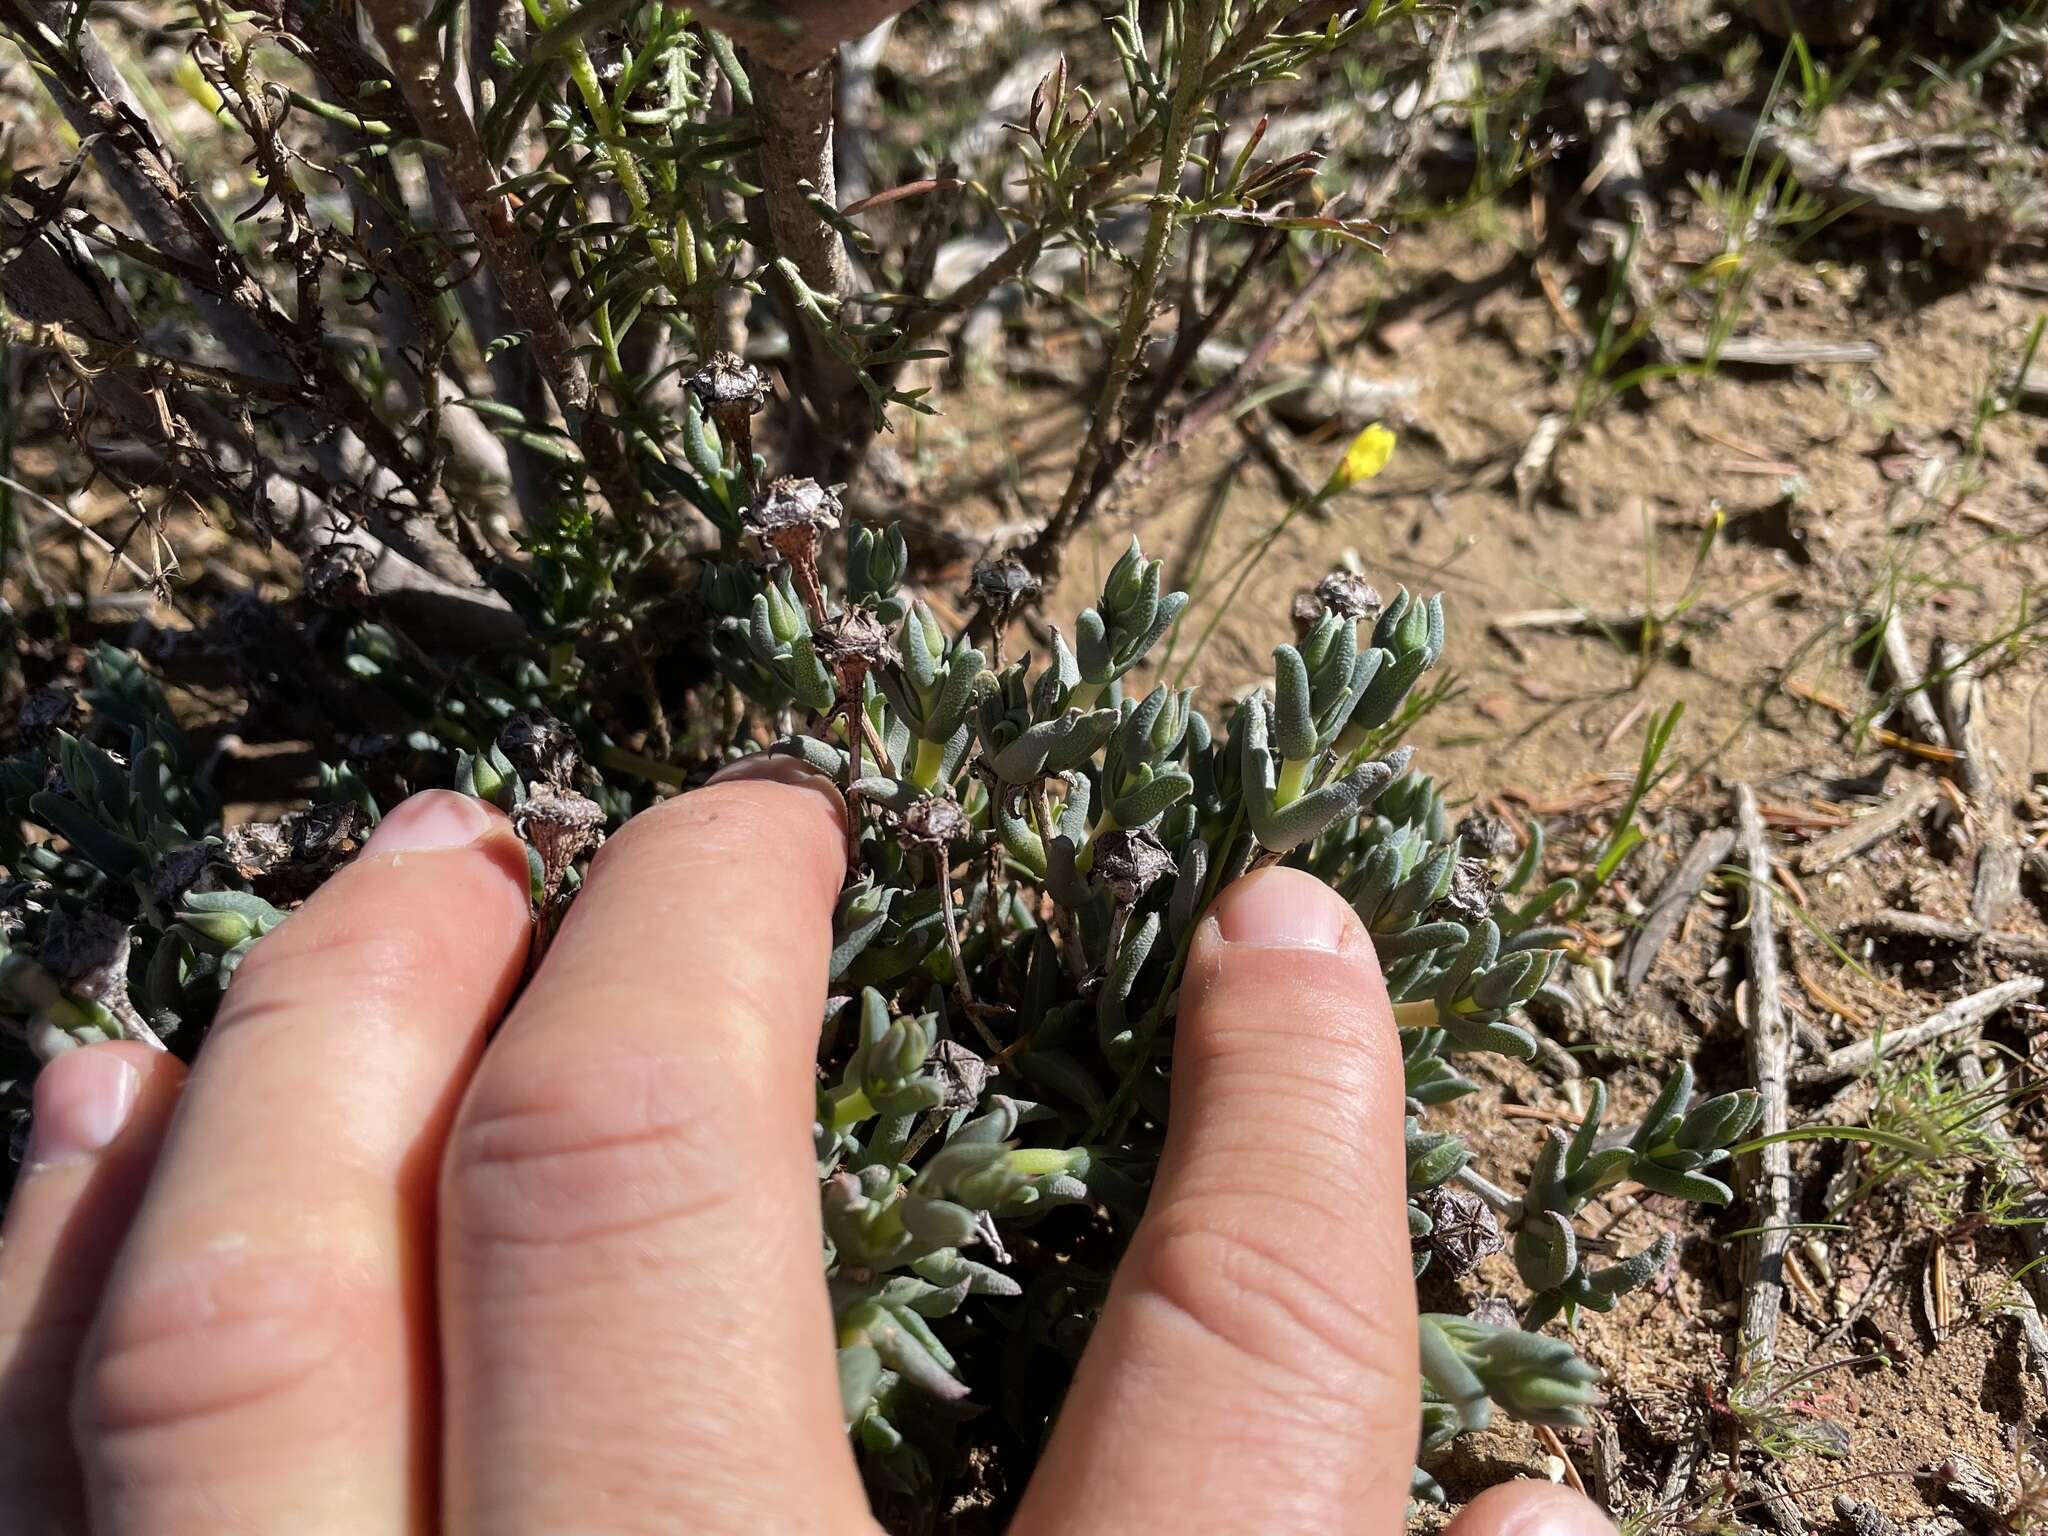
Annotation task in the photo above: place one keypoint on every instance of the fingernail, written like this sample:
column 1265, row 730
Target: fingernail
column 82, row 1100
column 432, row 819
column 1281, row 909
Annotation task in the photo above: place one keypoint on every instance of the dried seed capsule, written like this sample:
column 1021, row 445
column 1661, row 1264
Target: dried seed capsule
column 1348, row 596
column 1470, row 898
column 1131, row 863
column 851, row 644
column 86, row 953
column 540, row 748
column 796, row 509
column 559, row 826
column 338, row 576
column 999, row 585
column 730, row 390
column 791, row 519
column 1486, row 836
column 728, row 383
column 1462, row 1228
column 937, row 820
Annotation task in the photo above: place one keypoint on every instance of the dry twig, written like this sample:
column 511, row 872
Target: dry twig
column 1959, row 698
column 1913, row 701
column 1843, row 844
column 1963, row 1013
column 1768, row 1044
column 1972, row 227
column 1668, row 907
column 1918, row 925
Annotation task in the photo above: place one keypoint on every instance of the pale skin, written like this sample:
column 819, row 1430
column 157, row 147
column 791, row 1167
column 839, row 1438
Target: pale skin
column 406, row 1255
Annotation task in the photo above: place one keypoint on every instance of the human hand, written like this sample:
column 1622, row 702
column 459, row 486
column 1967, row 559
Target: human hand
column 373, row 1276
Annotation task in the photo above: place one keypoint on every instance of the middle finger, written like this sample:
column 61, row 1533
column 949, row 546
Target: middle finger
column 635, row 1324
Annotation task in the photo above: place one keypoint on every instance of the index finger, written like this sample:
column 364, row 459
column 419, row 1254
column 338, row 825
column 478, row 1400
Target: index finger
column 635, row 1327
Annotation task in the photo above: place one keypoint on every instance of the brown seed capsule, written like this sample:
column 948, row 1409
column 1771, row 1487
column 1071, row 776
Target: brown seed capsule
column 86, row 953
column 1485, row 836
column 1470, row 898
column 1495, row 1312
column 288, row 859
column 560, row 825
column 181, row 870
column 1130, row 863
column 541, row 748
column 851, row 644
column 937, row 820
column 1000, row 585
column 1462, row 1228
column 728, row 383
column 961, row 1074
column 731, row 390
column 1348, row 596
column 794, row 506
column 791, row 519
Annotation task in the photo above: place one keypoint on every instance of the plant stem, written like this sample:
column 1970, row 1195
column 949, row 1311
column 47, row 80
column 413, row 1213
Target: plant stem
column 1293, row 779
column 1045, row 552
column 1421, row 1014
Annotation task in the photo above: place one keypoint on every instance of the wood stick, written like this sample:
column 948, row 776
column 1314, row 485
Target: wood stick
column 1937, row 930
column 1311, row 395
column 1582, row 621
column 1959, row 698
column 1668, row 907
column 1843, row 844
column 1913, row 701
column 1960, row 1014
column 1678, row 1472
column 1772, row 352
column 1767, row 1041
column 1267, row 449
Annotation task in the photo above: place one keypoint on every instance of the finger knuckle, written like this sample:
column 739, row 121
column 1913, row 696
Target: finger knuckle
column 363, row 955
column 1254, row 1278
column 38, row 1348
column 228, row 1336
column 547, row 1156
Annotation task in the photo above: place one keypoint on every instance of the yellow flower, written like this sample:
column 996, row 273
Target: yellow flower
column 1366, row 457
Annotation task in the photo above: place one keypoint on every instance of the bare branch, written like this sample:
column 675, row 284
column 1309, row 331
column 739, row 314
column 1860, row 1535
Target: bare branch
column 416, row 55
